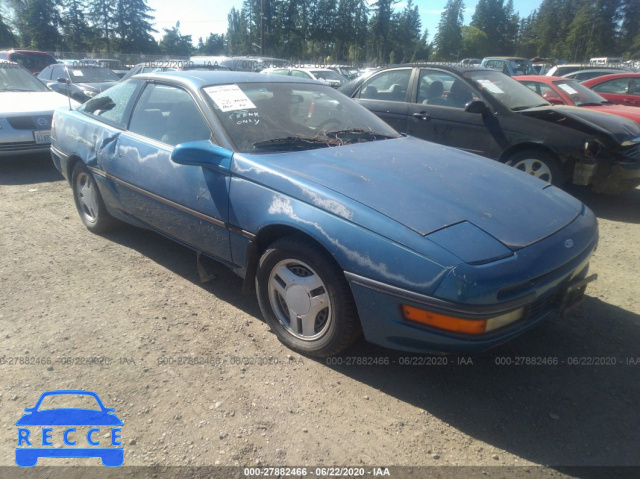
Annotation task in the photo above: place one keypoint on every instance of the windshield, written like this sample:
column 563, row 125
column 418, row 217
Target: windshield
column 15, row 78
column 328, row 75
column 579, row 94
column 505, row 90
column 521, row 66
column 266, row 117
column 92, row 75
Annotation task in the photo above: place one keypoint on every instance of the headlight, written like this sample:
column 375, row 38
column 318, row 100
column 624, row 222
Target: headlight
column 90, row 93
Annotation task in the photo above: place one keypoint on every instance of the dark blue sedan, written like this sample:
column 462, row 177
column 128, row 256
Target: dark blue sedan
column 339, row 224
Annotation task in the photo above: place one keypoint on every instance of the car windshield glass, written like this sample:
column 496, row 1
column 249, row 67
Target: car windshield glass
column 579, row 94
column 267, row 117
column 522, row 66
column 15, row 78
column 92, row 75
column 328, row 75
column 507, row 91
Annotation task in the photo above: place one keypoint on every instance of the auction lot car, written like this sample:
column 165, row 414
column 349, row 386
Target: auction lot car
column 618, row 88
column 486, row 112
column 32, row 60
column 339, row 224
column 324, row 75
column 37, row 416
column 26, row 109
column 78, row 82
column 564, row 91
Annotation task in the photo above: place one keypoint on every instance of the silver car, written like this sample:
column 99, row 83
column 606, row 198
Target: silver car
column 26, row 109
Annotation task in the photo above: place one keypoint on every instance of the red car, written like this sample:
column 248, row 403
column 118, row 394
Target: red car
column 621, row 88
column 565, row 91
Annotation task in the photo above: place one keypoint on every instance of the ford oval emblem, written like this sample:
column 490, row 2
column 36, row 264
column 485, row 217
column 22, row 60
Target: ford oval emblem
column 568, row 243
column 42, row 122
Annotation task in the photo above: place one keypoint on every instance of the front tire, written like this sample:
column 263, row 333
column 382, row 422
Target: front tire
column 305, row 298
column 89, row 203
column 539, row 164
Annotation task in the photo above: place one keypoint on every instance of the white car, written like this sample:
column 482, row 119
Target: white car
column 26, row 110
column 324, row 75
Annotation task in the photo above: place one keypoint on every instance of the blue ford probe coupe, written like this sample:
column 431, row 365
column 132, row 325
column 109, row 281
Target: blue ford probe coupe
column 338, row 223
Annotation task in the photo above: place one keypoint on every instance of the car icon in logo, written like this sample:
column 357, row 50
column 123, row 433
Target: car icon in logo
column 36, row 428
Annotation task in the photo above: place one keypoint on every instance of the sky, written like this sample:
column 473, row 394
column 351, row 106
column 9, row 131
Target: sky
column 201, row 17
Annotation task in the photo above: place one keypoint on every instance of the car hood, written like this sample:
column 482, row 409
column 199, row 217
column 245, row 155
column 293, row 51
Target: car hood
column 589, row 121
column 427, row 187
column 30, row 102
column 630, row 112
column 69, row 417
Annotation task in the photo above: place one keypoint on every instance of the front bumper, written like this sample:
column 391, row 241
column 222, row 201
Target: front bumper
column 617, row 178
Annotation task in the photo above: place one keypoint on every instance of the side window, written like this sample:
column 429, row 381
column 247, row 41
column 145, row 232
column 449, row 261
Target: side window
column 112, row 105
column 618, row 86
column 390, row 85
column 433, row 87
column 299, row 74
column 168, row 114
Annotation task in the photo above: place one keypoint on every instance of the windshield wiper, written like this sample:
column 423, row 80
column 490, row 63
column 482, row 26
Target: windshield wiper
column 520, row 108
column 592, row 104
column 292, row 143
column 356, row 134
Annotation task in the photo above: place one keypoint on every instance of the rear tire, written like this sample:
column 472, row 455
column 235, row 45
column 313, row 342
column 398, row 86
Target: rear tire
column 305, row 298
column 539, row 164
column 89, row 204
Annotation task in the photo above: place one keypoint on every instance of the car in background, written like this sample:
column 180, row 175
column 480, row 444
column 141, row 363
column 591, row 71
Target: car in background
column 582, row 75
column 111, row 63
column 565, row 91
column 324, row 75
column 509, row 65
column 26, row 109
column 197, row 63
column 564, row 69
column 488, row 113
column 79, row 83
column 250, row 63
column 33, row 60
column 347, row 71
column 619, row 88
column 339, row 225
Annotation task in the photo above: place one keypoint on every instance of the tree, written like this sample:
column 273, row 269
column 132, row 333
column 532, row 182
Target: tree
column 41, row 22
column 132, row 26
column 380, row 30
column 215, row 45
column 103, row 13
column 7, row 38
column 173, row 43
column 448, row 40
column 475, row 43
column 76, row 32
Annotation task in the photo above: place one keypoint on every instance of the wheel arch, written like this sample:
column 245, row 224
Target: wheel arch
column 512, row 150
column 566, row 165
column 261, row 241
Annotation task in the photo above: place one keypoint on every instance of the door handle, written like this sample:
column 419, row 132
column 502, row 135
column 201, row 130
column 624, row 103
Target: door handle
column 422, row 115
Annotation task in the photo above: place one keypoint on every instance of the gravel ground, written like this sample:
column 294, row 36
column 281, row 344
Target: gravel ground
column 133, row 299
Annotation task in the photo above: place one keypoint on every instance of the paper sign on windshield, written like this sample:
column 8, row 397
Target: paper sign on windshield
column 229, row 97
column 490, row 86
column 568, row 89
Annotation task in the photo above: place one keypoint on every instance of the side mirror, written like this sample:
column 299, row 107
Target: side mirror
column 476, row 106
column 62, row 80
column 202, row 153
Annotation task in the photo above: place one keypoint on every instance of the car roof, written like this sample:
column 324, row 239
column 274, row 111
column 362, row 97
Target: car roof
column 613, row 76
column 200, row 78
column 452, row 67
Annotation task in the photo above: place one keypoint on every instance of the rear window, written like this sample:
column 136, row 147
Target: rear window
column 34, row 62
